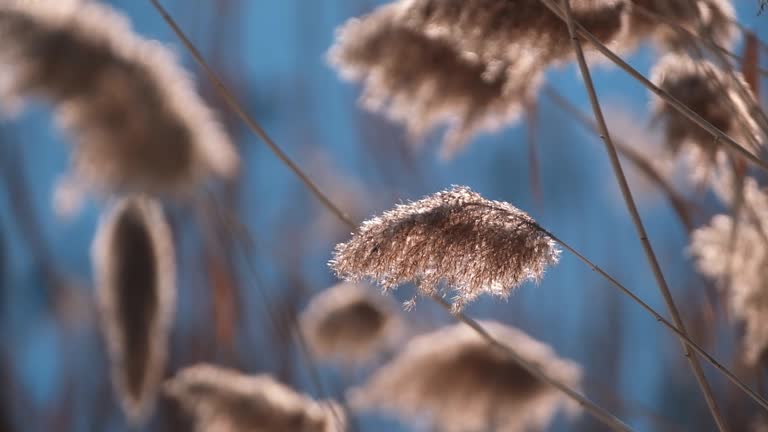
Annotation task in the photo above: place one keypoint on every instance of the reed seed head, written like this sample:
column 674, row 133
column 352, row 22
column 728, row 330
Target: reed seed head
column 458, row 381
column 710, row 93
column 135, row 270
column 137, row 121
column 224, row 400
column 350, row 322
column 474, row 245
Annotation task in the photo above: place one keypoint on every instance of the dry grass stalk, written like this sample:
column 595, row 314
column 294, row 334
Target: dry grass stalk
column 711, row 19
column 742, row 263
column 474, row 245
column 350, row 322
column 135, row 270
column 138, row 123
column 460, row 383
column 224, row 400
column 699, row 84
column 424, row 82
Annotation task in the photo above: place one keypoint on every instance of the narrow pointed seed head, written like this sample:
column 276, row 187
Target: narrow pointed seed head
column 474, row 245
column 710, row 93
column 351, row 323
column 224, row 400
column 740, row 266
column 136, row 119
column 453, row 378
column 424, row 82
column 134, row 266
column 711, row 19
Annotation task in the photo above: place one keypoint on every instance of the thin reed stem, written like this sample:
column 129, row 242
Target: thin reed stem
column 252, row 124
column 632, row 208
column 599, row 413
column 221, row 88
column 679, row 204
column 673, row 102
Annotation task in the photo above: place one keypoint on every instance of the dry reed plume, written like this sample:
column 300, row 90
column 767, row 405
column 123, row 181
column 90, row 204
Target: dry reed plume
column 224, row 400
column 474, row 245
column 135, row 271
column 351, row 323
column 424, row 82
column 137, row 121
column 741, row 265
column 454, row 379
column 700, row 85
column 711, row 19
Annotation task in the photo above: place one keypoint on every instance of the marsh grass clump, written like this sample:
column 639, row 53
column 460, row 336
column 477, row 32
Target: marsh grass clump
column 453, row 378
column 475, row 246
column 137, row 122
column 224, row 400
column 135, row 270
column 351, row 323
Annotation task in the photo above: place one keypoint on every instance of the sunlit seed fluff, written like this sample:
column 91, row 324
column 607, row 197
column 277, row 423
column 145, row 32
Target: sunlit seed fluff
column 456, row 380
column 135, row 270
column 474, row 245
column 351, row 323
column 424, row 83
column 137, row 123
column 710, row 93
column 224, row 400
column 742, row 266
column 707, row 18
column 514, row 31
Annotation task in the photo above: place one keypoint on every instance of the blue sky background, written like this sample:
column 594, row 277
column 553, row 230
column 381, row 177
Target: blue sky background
column 275, row 51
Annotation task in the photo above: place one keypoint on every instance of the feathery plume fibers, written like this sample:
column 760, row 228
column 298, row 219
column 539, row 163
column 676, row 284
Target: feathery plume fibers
column 474, row 245
column 709, row 92
column 137, row 121
column 224, row 400
column 350, row 322
column 423, row 82
column 459, row 382
column 135, row 270
column 707, row 18
column 742, row 266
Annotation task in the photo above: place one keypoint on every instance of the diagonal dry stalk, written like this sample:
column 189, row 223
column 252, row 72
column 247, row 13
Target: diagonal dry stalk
column 679, row 204
column 684, row 110
column 632, row 208
column 259, row 131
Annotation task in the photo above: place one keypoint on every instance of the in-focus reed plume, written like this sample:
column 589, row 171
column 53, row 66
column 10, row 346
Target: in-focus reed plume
column 453, row 378
column 740, row 265
column 709, row 92
column 474, row 245
column 137, row 121
column 135, row 270
column 424, row 82
column 224, row 400
column 711, row 19
column 351, row 323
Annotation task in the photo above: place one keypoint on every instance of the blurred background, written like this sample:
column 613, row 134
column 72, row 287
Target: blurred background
column 53, row 366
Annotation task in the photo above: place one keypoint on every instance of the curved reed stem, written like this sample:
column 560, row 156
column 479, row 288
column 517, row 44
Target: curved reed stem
column 639, row 226
column 691, row 115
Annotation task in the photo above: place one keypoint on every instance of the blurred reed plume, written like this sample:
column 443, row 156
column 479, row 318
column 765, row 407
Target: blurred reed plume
column 474, row 245
column 741, row 265
column 224, row 400
column 135, row 270
column 470, row 65
column 453, row 378
column 711, row 19
column 351, row 323
column 136, row 118
column 709, row 92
